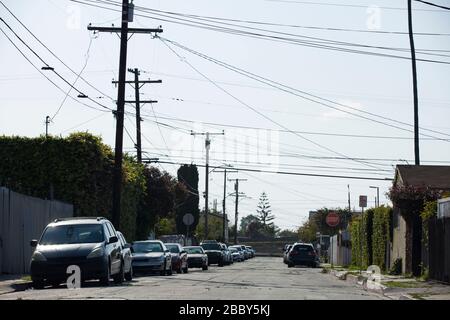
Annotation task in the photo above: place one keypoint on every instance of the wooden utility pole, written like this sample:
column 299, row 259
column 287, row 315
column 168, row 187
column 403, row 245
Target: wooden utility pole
column 414, row 74
column 137, row 86
column 207, row 145
column 236, row 205
column 118, row 156
column 225, row 171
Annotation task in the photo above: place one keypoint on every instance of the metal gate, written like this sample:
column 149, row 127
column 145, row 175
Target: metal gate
column 439, row 249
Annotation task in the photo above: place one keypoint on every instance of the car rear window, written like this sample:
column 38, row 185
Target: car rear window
column 211, row 246
column 147, row 247
column 194, row 250
column 69, row 234
column 303, row 248
column 173, row 248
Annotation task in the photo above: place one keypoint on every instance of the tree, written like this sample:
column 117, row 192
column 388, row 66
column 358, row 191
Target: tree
column 188, row 175
column 264, row 211
column 163, row 193
column 307, row 232
column 245, row 222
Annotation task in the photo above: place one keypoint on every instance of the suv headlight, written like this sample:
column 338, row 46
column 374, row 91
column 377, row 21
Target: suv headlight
column 37, row 256
column 96, row 252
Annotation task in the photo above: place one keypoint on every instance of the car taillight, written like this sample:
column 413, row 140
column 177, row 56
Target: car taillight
column 312, row 253
column 293, row 253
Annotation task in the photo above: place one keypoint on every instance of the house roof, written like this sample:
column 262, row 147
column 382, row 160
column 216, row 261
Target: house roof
column 436, row 177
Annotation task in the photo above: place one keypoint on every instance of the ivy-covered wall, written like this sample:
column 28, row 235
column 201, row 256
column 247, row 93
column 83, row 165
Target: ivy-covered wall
column 381, row 235
column 77, row 169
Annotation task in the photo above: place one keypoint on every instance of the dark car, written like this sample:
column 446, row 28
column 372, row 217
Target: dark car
column 90, row 243
column 227, row 258
column 302, row 254
column 197, row 258
column 214, row 252
column 286, row 252
column 179, row 257
column 151, row 255
column 126, row 257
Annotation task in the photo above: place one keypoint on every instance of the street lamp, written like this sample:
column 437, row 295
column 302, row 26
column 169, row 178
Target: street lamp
column 377, row 202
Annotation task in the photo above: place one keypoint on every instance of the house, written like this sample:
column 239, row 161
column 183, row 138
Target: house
column 432, row 177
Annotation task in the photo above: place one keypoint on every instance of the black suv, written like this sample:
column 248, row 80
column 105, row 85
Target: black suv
column 213, row 250
column 91, row 243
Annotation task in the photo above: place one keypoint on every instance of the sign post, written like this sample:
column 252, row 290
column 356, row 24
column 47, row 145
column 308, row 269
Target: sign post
column 332, row 220
column 362, row 204
column 188, row 220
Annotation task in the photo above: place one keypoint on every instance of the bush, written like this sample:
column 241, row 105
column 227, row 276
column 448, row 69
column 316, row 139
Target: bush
column 355, row 232
column 77, row 169
column 380, row 235
column 396, row 268
column 366, row 238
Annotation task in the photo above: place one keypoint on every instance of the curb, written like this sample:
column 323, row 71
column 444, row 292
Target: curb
column 16, row 287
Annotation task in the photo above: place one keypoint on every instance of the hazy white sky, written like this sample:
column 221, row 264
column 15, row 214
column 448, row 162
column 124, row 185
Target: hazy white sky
column 379, row 85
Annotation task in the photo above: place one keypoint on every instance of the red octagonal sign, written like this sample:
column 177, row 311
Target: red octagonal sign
column 332, row 219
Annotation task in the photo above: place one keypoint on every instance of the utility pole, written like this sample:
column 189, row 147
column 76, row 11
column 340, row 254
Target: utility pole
column 118, row 156
column 414, row 74
column 236, row 204
column 377, row 200
column 207, row 145
column 225, row 171
column 47, row 122
column 137, row 86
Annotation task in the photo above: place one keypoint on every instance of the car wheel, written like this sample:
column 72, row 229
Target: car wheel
column 104, row 281
column 186, row 270
column 118, row 278
column 169, row 272
column 290, row 265
column 38, row 284
column 205, row 267
column 129, row 275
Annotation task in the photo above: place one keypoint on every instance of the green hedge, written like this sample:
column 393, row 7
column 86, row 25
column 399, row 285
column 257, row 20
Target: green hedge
column 356, row 237
column 77, row 169
column 367, row 223
column 381, row 235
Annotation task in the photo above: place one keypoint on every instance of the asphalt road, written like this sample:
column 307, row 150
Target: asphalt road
column 258, row 278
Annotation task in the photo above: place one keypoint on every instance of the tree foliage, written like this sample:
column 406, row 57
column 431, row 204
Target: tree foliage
column 188, row 176
column 264, row 212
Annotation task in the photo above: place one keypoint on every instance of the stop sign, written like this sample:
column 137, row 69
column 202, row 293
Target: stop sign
column 332, row 219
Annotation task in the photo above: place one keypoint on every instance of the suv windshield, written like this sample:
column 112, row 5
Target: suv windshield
column 173, row 248
column 74, row 233
column 194, row 250
column 147, row 247
column 303, row 248
column 211, row 246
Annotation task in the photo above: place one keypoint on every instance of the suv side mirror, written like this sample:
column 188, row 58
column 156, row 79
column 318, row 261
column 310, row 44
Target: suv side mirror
column 113, row 239
column 33, row 243
column 167, row 251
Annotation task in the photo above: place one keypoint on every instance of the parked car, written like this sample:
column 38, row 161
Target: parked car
column 241, row 252
column 227, row 258
column 251, row 251
column 179, row 257
column 90, row 243
column 303, row 254
column 246, row 252
column 197, row 258
column 214, row 251
column 235, row 254
column 151, row 255
column 286, row 252
column 126, row 257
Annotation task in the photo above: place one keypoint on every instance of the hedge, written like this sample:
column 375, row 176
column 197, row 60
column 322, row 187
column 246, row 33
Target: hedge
column 77, row 169
column 355, row 233
column 381, row 235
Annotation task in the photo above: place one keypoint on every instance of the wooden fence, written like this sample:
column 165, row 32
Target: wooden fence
column 23, row 218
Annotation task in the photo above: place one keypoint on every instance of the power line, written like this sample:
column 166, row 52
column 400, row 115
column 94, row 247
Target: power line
column 289, row 173
column 293, row 91
column 255, row 110
column 433, row 4
column 312, row 44
column 45, row 76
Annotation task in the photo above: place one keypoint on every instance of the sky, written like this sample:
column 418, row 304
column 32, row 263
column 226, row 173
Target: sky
column 265, row 128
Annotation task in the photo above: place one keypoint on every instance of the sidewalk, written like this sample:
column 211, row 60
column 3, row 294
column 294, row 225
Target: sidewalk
column 394, row 287
column 15, row 282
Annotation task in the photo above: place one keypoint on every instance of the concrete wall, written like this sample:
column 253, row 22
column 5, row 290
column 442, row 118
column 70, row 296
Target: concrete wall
column 340, row 255
column 22, row 219
column 398, row 240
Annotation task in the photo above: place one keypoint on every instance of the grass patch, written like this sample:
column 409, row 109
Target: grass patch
column 26, row 278
column 418, row 296
column 403, row 284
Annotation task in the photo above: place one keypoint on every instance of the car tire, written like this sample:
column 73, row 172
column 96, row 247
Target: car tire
column 55, row 284
column 37, row 284
column 118, row 278
column 186, row 270
column 104, row 281
column 129, row 275
column 290, row 265
column 204, row 268
column 169, row 272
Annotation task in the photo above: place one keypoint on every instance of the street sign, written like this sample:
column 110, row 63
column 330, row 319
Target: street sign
column 332, row 219
column 188, row 219
column 362, row 201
